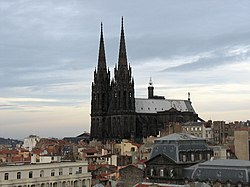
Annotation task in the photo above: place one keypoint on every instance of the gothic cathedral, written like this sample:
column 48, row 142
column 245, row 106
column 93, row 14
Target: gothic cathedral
column 115, row 112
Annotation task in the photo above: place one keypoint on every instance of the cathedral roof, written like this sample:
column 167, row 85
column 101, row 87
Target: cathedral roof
column 160, row 105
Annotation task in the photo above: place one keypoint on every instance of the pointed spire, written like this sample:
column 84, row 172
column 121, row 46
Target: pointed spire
column 150, row 82
column 122, row 61
column 101, row 57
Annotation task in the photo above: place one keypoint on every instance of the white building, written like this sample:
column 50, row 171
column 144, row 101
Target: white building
column 30, row 142
column 63, row 174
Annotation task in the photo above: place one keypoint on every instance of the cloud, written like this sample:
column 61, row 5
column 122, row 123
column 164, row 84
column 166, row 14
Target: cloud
column 49, row 51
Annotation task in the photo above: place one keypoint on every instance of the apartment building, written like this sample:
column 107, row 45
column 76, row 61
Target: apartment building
column 62, row 174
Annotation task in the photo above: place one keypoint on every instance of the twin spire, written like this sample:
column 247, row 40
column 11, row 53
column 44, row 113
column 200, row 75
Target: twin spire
column 122, row 61
column 101, row 57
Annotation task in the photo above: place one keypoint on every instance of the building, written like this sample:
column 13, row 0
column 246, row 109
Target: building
column 225, row 172
column 115, row 112
column 54, row 175
column 220, row 132
column 130, row 175
column 241, row 144
column 172, row 153
column 30, row 142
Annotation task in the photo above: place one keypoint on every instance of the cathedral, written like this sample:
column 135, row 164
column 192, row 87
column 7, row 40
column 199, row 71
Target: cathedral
column 115, row 112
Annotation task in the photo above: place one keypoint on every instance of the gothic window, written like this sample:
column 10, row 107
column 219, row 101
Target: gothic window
column 124, row 99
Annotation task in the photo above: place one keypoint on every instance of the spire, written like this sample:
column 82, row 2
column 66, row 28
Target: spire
column 122, row 52
column 101, row 57
column 150, row 82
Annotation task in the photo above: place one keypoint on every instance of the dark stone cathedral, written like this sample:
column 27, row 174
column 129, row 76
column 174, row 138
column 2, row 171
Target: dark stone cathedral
column 115, row 112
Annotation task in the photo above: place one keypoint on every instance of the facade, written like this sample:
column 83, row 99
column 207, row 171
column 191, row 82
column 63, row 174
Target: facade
column 115, row 112
column 30, row 142
column 225, row 172
column 172, row 153
column 220, row 132
column 241, row 144
column 62, row 174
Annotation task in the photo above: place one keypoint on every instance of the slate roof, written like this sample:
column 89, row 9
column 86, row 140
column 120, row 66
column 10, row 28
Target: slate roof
column 178, row 136
column 224, row 170
column 172, row 144
column 158, row 105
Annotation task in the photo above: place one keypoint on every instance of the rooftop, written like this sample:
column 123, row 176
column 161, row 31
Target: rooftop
column 143, row 105
column 178, row 136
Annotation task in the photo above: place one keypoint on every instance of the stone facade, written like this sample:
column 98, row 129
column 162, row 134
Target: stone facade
column 43, row 175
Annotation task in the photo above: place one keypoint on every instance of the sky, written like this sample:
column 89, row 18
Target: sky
column 49, row 48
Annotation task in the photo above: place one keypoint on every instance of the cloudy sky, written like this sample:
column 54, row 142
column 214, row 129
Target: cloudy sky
column 48, row 51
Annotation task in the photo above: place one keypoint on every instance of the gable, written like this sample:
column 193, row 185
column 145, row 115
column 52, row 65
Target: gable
column 160, row 159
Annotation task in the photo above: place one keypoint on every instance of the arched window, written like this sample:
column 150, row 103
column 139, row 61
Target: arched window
column 6, row 176
column 192, row 157
column 184, row 158
column 52, row 173
column 162, row 172
column 60, row 171
column 18, row 175
column 41, row 173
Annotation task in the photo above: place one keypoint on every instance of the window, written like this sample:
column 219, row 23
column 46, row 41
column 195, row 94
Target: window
column 70, row 171
column 18, row 175
column 60, row 171
column 30, row 174
column 151, row 172
column 6, row 176
column 162, row 173
column 52, row 173
column 200, row 156
column 184, row 158
column 80, row 169
column 208, row 156
column 132, row 149
column 41, row 173
column 192, row 157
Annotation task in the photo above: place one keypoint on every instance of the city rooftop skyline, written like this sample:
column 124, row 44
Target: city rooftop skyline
column 49, row 50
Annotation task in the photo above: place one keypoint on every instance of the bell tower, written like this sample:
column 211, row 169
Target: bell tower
column 100, row 93
column 122, row 95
